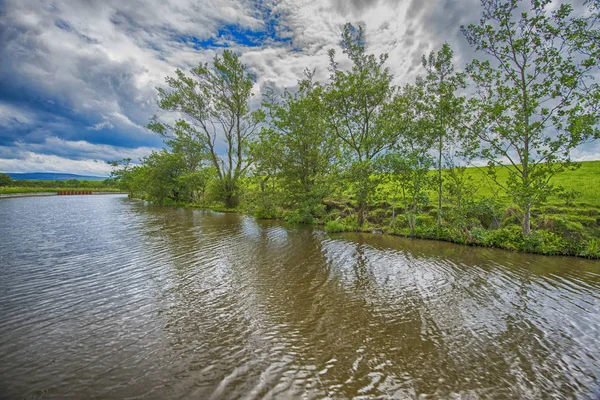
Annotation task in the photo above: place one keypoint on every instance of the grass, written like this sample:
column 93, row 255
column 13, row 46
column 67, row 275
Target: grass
column 585, row 180
column 560, row 226
column 20, row 189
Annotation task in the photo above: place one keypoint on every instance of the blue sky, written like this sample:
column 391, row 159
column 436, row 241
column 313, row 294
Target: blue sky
column 78, row 78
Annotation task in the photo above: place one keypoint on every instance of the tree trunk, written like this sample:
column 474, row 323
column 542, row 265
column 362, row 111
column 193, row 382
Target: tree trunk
column 527, row 220
column 439, row 216
column 361, row 214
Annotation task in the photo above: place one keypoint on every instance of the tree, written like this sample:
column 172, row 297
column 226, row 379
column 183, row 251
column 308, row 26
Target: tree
column 295, row 147
column 409, row 162
column 5, row 180
column 161, row 171
column 354, row 105
column 121, row 173
column 444, row 108
column 531, row 104
column 214, row 102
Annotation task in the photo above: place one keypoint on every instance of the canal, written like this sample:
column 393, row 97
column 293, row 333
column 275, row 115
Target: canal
column 108, row 297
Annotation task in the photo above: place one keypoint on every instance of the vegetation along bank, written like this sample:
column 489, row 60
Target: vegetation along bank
column 355, row 151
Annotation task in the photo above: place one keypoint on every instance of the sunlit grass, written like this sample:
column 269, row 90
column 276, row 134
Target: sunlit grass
column 585, row 180
column 24, row 190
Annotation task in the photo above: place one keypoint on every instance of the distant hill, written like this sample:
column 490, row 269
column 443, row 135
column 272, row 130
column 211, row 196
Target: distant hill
column 52, row 176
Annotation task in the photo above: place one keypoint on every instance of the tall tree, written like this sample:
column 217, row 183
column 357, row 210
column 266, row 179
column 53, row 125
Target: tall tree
column 5, row 180
column 294, row 145
column 531, row 101
column 410, row 161
column 354, row 105
column 443, row 107
column 214, row 102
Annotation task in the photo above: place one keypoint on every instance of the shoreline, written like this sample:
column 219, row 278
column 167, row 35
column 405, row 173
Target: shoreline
column 43, row 194
column 376, row 231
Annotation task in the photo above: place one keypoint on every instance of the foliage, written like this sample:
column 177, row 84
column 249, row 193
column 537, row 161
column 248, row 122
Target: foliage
column 533, row 104
column 294, row 149
column 213, row 101
column 355, row 104
column 357, row 153
column 5, row 180
column 443, row 110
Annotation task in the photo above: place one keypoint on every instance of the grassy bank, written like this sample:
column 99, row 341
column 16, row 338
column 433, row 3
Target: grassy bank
column 567, row 230
column 585, row 180
column 24, row 190
column 563, row 226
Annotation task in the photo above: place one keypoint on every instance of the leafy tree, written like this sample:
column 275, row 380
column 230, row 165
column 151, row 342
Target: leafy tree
column 121, row 173
column 5, row 180
column 213, row 103
column 193, row 185
column 444, row 108
column 162, row 171
column 407, row 166
column 296, row 148
column 531, row 102
column 354, row 105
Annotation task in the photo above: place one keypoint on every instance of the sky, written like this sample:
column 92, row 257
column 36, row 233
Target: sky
column 78, row 78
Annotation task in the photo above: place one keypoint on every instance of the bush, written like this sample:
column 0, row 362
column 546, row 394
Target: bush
column 262, row 212
column 512, row 216
column 299, row 216
column 378, row 215
column 591, row 249
column 507, row 238
column 544, row 242
column 5, row 180
column 335, row 226
column 424, row 221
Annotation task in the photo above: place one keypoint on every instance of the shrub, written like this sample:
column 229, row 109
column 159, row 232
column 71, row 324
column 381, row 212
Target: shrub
column 591, row 249
column 266, row 213
column 299, row 216
column 335, row 226
column 378, row 215
column 487, row 211
column 424, row 220
column 506, row 238
column 544, row 242
column 512, row 216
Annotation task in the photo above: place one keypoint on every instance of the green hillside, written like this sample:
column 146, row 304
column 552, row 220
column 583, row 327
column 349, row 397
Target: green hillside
column 585, row 180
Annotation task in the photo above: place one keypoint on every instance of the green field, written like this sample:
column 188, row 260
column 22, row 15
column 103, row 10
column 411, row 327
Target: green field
column 20, row 189
column 585, row 180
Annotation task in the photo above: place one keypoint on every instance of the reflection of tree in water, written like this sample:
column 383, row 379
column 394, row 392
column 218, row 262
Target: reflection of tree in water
column 299, row 311
column 532, row 353
column 339, row 332
column 205, row 323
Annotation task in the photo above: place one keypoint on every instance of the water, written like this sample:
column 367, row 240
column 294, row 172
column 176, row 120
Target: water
column 106, row 297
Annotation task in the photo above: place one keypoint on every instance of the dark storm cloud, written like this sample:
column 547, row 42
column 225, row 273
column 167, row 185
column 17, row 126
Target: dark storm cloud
column 78, row 77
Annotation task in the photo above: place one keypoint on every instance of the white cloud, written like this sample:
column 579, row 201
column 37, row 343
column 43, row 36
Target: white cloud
column 32, row 162
column 101, row 60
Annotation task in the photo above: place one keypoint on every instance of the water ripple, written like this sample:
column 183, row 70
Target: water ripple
column 106, row 297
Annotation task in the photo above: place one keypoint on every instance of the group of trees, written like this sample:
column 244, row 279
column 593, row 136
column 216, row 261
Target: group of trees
column 7, row 181
column 524, row 107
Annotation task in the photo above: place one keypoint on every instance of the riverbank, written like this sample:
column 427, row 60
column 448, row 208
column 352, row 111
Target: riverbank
column 118, row 297
column 553, row 235
column 35, row 194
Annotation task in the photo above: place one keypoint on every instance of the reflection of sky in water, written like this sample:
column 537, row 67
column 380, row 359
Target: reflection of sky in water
column 121, row 298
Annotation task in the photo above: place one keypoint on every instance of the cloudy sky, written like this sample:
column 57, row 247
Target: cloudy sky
column 78, row 77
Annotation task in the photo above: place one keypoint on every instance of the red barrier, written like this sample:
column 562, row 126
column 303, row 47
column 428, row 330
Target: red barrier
column 73, row 192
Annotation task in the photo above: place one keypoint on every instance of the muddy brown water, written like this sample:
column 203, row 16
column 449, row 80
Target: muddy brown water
column 106, row 297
